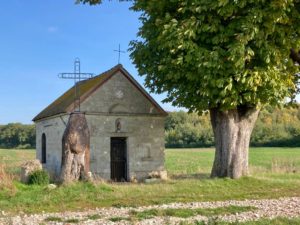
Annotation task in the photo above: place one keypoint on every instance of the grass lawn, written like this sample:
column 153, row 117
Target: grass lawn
column 275, row 172
column 198, row 162
column 14, row 158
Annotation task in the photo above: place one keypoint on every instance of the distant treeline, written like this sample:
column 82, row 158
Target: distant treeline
column 274, row 127
column 17, row 135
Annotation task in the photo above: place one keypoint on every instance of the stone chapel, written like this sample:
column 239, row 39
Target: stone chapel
column 126, row 127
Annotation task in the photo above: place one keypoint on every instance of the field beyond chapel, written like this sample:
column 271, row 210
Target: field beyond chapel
column 275, row 172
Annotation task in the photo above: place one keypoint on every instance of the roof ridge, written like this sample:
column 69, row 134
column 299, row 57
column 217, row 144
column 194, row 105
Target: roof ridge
column 65, row 103
column 116, row 67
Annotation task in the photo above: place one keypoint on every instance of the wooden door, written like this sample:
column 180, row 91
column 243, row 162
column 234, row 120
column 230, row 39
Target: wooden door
column 118, row 159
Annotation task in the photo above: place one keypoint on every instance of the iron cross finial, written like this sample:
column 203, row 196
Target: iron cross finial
column 77, row 76
column 119, row 51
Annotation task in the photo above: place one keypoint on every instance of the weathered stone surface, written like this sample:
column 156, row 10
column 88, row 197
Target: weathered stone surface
column 136, row 118
column 163, row 175
column 28, row 167
column 159, row 174
column 75, row 149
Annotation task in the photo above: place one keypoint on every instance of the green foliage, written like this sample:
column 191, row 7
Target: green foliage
column 220, row 53
column 17, row 135
column 39, row 177
column 274, row 127
column 188, row 130
column 277, row 127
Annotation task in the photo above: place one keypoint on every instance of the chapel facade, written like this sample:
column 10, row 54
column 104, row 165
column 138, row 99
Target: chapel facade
column 126, row 127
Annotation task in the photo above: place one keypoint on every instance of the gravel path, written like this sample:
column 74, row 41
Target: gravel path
column 271, row 208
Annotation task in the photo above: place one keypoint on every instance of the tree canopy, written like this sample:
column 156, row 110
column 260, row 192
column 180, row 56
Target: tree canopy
column 16, row 135
column 275, row 127
column 228, row 57
column 207, row 54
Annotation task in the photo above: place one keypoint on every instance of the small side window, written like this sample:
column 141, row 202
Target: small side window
column 44, row 148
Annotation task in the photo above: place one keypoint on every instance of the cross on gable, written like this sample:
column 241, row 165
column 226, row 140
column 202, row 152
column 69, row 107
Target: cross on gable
column 77, row 76
column 119, row 51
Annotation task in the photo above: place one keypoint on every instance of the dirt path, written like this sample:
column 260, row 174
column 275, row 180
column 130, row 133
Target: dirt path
column 283, row 207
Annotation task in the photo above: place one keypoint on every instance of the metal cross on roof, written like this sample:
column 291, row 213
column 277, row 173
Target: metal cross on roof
column 77, row 76
column 119, row 51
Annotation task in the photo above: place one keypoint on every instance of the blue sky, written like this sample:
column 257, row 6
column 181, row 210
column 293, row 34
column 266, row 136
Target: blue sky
column 39, row 39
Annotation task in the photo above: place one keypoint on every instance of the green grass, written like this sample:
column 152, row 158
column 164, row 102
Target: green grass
column 72, row 221
column 117, row 219
column 272, row 177
column 198, row 162
column 53, row 219
column 13, row 159
column 94, row 217
column 58, row 219
column 185, row 213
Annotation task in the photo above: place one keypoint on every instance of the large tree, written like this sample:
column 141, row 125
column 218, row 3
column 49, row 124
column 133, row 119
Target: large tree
column 228, row 57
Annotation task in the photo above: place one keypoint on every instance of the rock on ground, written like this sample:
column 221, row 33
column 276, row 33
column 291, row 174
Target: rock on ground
column 28, row 167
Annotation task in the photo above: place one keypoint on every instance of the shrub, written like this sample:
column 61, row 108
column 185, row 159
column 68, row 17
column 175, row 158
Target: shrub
column 39, row 177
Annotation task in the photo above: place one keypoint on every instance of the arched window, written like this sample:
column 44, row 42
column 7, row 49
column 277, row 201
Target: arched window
column 43, row 148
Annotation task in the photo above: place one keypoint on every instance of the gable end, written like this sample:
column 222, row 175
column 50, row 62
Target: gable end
column 65, row 103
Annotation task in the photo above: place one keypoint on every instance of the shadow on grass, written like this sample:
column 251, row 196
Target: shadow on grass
column 190, row 176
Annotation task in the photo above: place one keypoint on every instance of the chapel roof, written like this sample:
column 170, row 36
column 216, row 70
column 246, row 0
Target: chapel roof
column 65, row 103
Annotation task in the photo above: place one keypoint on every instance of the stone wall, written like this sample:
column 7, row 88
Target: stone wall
column 53, row 129
column 145, row 143
column 118, row 95
column 144, row 135
column 116, row 100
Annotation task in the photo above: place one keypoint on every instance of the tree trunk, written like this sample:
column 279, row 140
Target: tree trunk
column 295, row 55
column 75, row 149
column 232, row 131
